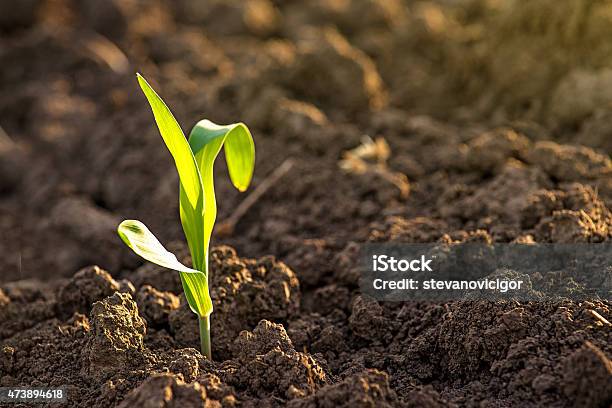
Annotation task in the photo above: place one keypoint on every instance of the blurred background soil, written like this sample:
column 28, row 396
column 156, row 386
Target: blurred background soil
column 497, row 125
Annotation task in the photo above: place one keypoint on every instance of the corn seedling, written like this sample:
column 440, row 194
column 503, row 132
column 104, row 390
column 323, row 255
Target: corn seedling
column 194, row 160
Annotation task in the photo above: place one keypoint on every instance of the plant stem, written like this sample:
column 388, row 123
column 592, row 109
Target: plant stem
column 205, row 336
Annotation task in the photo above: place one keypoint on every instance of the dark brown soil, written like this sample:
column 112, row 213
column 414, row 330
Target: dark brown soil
column 494, row 151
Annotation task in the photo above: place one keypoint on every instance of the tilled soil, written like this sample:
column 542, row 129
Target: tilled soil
column 508, row 162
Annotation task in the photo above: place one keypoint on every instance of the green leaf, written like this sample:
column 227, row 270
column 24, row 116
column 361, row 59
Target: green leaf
column 196, row 291
column 206, row 139
column 239, row 148
column 137, row 236
column 191, row 192
column 191, row 199
column 177, row 144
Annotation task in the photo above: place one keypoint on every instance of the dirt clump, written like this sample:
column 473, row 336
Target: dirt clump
column 491, row 150
column 23, row 311
column 367, row 318
column 498, row 200
column 268, row 364
column 366, row 389
column 4, row 300
column 330, row 54
column 259, row 18
column 574, row 214
column 117, row 333
column 571, row 226
column 587, row 377
column 155, row 305
column 166, row 390
column 327, row 299
column 87, row 286
column 414, row 230
column 569, row 163
column 460, row 349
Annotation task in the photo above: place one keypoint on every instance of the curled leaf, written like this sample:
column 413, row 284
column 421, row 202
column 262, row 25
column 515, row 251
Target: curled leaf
column 137, row 236
column 206, row 140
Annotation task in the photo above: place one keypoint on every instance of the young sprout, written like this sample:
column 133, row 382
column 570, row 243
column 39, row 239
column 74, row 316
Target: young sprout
column 194, row 160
